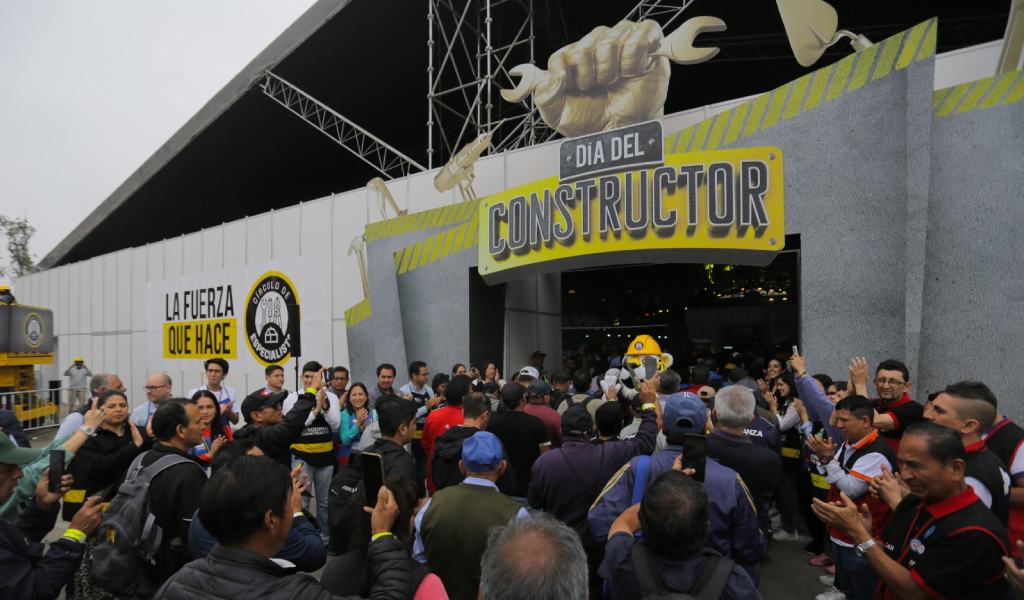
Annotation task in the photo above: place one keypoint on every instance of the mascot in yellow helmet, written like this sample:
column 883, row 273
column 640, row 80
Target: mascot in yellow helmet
column 643, row 359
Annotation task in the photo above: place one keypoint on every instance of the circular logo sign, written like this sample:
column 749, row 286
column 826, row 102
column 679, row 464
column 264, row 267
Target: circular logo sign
column 266, row 318
column 33, row 330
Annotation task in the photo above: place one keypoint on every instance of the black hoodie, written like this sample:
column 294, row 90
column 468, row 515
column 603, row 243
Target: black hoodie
column 444, row 467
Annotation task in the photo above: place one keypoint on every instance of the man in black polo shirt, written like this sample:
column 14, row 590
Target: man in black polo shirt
column 757, row 465
column 962, row 407
column 523, row 436
column 941, row 540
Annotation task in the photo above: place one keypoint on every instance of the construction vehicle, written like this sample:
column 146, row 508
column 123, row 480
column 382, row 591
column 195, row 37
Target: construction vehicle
column 26, row 340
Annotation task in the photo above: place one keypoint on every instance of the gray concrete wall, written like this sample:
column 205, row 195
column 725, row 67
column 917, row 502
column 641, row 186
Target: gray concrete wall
column 846, row 166
column 973, row 319
column 435, row 311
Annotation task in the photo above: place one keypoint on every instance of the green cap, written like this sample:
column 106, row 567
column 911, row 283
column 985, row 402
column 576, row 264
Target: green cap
column 10, row 454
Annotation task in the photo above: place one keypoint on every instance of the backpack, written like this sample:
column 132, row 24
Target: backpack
column 710, row 583
column 348, row 524
column 129, row 537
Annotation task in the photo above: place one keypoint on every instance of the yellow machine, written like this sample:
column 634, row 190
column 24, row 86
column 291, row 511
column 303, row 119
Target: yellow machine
column 26, row 340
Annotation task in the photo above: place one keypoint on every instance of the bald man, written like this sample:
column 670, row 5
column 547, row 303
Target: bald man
column 158, row 390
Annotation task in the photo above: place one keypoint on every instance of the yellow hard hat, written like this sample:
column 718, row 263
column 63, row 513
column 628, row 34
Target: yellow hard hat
column 643, row 345
column 4, row 287
column 78, row 359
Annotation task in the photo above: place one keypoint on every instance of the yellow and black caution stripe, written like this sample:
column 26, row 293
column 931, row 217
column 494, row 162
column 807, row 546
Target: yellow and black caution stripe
column 808, row 92
column 998, row 90
column 447, row 243
column 441, row 216
column 358, row 313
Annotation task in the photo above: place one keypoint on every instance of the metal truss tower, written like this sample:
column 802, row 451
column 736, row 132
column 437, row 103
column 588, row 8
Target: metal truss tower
column 369, row 148
column 469, row 60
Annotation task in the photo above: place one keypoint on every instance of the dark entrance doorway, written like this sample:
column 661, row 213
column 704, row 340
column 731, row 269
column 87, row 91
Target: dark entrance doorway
column 694, row 311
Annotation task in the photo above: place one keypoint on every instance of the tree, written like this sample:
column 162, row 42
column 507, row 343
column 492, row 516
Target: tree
column 18, row 232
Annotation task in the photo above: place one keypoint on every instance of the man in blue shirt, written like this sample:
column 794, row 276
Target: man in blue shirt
column 674, row 519
column 734, row 531
column 158, row 390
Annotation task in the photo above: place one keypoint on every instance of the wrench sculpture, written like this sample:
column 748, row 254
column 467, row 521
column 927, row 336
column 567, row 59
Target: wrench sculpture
column 613, row 76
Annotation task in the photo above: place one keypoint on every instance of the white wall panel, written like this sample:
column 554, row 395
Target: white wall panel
column 192, row 253
column 123, row 342
column 234, row 244
column 136, row 378
column 316, row 236
column 286, row 228
column 93, row 350
column 64, row 318
column 346, row 224
column 422, row 196
column 123, row 290
column 109, row 352
column 173, row 258
column 524, row 166
column 257, row 239
column 213, row 249
column 84, row 297
column 138, row 287
column 110, row 292
column 155, row 261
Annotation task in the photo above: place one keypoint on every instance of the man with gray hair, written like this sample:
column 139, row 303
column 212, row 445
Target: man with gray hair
column 538, row 558
column 98, row 383
column 728, row 443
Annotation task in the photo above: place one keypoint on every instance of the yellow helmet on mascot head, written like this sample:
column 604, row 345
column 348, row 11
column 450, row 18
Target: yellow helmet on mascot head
column 645, row 358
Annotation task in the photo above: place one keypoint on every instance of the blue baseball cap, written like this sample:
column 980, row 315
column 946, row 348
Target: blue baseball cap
column 482, row 452
column 684, row 413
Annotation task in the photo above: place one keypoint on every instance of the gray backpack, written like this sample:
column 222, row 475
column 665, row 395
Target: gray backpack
column 712, row 577
column 128, row 537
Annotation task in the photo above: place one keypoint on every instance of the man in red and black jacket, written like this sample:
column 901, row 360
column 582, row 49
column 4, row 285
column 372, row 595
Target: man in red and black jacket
column 849, row 469
column 895, row 409
column 941, row 541
column 963, row 408
column 1005, row 439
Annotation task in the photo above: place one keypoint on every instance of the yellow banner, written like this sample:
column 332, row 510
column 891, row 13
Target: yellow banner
column 718, row 206
column 213, row 338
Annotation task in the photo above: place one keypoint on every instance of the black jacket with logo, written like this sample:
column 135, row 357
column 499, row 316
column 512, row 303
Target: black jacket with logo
column 275, row 440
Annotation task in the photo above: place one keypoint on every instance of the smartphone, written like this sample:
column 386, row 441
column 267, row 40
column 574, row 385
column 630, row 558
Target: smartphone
column 695, row 451
column 56, row 469
column 796, row 351
column 373, row 476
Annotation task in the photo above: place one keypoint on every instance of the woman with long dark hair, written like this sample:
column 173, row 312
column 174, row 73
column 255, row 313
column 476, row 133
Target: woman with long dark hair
column 100, row 464
column 355, row 418
column 215, row 431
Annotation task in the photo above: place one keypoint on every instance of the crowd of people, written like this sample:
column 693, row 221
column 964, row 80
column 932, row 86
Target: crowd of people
column 565, row 486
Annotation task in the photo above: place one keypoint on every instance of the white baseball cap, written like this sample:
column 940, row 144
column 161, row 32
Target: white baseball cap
column 529, row 371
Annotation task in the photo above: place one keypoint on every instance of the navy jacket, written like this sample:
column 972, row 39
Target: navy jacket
column 10, row 425
column 734, row 530
column 27, row 569
column 679, row 575
column 303, row 548
column 565, row 481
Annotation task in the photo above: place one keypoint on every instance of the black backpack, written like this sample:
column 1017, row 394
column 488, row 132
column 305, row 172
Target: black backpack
column 128, row 537
column 348, row 524
column 711, row 580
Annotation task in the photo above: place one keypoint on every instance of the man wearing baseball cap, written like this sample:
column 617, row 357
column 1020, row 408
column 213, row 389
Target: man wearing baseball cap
column 452, row 527
column 25, row 574
column 734, row 530
column 272, row 432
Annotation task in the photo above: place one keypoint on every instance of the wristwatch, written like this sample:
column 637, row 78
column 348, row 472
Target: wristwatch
column 88, row 430
column 862, row 549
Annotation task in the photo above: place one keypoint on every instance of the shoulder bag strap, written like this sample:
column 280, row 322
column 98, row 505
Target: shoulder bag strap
column 647, row 571
column 713, row 577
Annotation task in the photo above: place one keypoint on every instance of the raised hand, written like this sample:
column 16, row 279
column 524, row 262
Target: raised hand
column 88, row 518
column 136, row 435
column 44, row 497
column 824, row 449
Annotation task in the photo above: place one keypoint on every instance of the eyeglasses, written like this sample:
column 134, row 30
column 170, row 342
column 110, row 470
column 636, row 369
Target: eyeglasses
column 153, row 388
column 889, row 381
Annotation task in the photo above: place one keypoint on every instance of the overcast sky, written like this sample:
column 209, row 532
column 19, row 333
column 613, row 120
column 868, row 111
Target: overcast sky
column 91, row 89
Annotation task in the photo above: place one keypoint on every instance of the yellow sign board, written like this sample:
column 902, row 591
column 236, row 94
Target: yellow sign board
column 718, row 206
column 210, row 338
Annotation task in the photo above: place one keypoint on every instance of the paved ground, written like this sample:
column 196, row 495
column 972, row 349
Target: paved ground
column 787, row 576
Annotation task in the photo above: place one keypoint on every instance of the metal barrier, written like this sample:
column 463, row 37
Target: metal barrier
column 42, row 408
